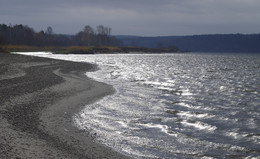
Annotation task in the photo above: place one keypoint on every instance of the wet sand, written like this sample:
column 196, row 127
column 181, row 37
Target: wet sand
column 38, row 98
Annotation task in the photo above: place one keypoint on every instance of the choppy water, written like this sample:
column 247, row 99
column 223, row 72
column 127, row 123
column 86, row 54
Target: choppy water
column 176, row 106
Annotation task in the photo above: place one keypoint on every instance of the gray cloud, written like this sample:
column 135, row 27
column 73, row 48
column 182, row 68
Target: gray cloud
column 136, row 17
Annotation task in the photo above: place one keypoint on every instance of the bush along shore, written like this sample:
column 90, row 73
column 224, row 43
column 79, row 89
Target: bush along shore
column 117, row 49
column 88, row 49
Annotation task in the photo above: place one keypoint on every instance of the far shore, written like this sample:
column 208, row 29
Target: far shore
column 88, row 49
column 38, row 98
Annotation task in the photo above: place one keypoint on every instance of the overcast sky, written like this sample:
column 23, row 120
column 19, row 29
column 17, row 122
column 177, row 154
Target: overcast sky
column 136, row 17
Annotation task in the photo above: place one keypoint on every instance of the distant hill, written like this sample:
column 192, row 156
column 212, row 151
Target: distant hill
column 199, row 43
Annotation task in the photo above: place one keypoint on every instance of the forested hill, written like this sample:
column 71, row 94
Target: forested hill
column 199, row 43
column 15, row 38
column 101, row 36
column 24, row 35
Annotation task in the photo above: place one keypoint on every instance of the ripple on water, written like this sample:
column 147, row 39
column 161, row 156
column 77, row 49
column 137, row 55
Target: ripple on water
column 175, row 106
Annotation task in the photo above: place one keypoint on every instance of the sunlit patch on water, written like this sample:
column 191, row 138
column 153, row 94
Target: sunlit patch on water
column 194, row 114
column 176, row 106
column 198, row 125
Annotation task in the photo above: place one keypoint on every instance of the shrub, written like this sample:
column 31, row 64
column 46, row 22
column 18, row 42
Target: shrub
column 80, row 50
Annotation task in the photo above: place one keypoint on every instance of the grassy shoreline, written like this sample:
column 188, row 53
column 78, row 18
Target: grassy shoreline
column 88, row 49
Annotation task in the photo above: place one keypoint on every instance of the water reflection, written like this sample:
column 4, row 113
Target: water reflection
column 176, row 106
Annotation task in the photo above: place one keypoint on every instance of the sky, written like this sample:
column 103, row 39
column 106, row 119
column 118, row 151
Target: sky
column 136, row 17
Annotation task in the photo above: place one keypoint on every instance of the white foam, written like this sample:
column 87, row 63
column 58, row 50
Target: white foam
column 199, row 125
column 193, row 115
column 163, row 128
column 33, row 53
column 184, row 104
column 122, row 123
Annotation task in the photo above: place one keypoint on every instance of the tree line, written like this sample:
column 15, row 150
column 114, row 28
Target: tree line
column 25, row 35
column 99, row 37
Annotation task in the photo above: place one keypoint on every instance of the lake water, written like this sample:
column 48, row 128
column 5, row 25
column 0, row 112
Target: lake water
column 175, row 105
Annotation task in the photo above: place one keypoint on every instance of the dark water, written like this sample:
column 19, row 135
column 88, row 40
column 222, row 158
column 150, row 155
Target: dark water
column 176, row 106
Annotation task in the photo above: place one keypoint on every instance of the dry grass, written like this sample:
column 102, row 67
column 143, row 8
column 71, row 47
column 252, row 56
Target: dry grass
column 93, row 49
column 84, row 49
column 72, row 49
column 79, row 50
column 24, row 48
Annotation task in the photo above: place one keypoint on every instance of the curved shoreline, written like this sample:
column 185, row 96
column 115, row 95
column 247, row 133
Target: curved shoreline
column 38, row 98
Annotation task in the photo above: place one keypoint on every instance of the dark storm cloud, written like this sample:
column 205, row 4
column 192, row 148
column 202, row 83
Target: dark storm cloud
column 139, row 17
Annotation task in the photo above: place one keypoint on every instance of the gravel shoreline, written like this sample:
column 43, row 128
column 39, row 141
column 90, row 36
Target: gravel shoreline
column 38, row 98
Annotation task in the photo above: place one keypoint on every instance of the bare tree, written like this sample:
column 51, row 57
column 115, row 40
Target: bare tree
column 2, row 49
column 108, row 31
column 103, row 35
column 103, row 30
column 100, row 30
column 1, row 41
column 88, row 35
column 49, row 30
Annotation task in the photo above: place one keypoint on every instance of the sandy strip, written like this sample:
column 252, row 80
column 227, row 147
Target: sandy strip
column 38, row 98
